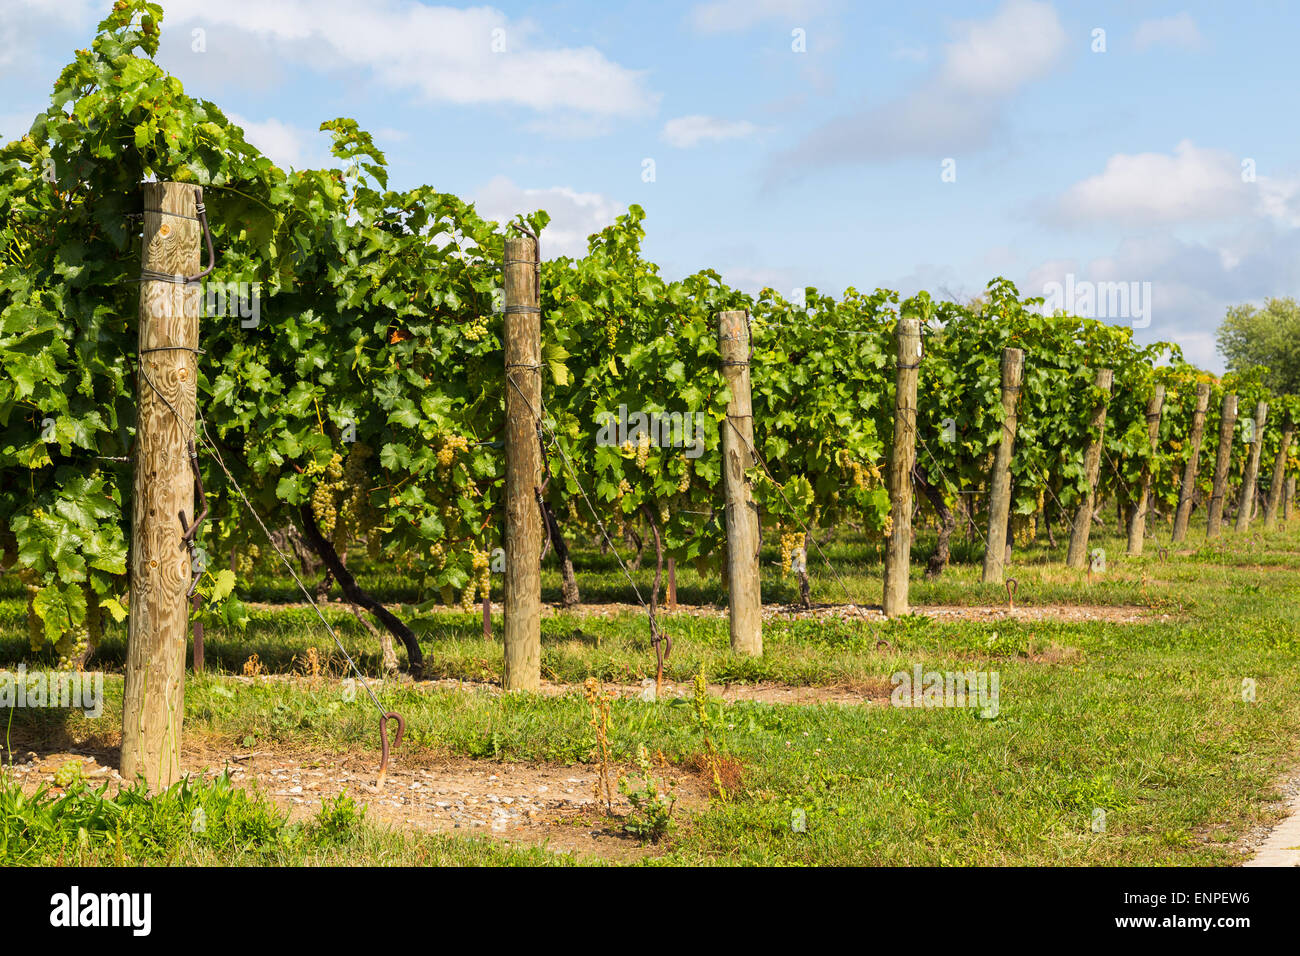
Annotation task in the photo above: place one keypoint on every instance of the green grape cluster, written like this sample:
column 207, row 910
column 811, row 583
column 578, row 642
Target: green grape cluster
column 684, row 484
column 245, row 558
column 452, row 446
column 340, row 501
column 355, row 515
column 324, row 507
column 94, row 620
column 481, row 583
column 70, row 647
column 790, row 543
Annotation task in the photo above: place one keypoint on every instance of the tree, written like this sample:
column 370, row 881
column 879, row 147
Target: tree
column 1251, row 337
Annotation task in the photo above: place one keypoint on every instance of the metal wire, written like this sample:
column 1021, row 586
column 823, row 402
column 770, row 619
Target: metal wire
column 215, row 453
column 802, row 525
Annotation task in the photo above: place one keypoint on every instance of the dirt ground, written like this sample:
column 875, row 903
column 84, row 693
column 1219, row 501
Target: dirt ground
column 870, row 691
column 551, row 806
column 1115, row 614
column 1068, row 613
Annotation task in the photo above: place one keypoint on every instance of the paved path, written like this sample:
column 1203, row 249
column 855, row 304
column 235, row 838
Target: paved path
column 1282, row 847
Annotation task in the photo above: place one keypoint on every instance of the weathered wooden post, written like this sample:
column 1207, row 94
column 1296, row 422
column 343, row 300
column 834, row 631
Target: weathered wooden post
column 1077, row 554
column 1137, row 518
column 745, row 599
column 1187, row 489
column 1290, row 497
column 1246, row 504
column 898, row 543
column 153, row 704
column 1013, row 365
column 1278, row 483
column 522, row 600
column 1222, row 460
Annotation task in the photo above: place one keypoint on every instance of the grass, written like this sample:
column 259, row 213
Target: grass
column 1146, row 720
column 216, row 824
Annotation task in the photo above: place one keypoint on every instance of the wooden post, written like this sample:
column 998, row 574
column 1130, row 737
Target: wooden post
column 1077, row 555
column 1227, row 423
column 487, row 616
column 898, row 544
column 1246, row 505
column 1290, row 497
column 1137, row 518
column 522, row 602
column 672, row 584
column 153, row 705
column 1278, row 482
column 1187, row 489
column 745, row 600
column 1013, row 365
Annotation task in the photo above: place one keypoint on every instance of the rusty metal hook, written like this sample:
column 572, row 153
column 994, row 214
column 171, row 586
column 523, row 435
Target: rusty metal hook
column 201, row 213
column 383, row 739
column 663, row 647
column 1163, row 553
column 1013, row 588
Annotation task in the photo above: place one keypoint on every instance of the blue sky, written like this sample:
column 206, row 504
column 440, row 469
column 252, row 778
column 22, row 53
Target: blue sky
column 793, row 142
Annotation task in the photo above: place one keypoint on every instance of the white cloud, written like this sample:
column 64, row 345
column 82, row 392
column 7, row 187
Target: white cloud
column 958, row 106
column 286, row 145
column 1019, row 43
column 1192, row 283
column 685, row 132
column 1192, row 184
column 734, row 16
column 441, row 53
column 574, row 215
column 1179, row 31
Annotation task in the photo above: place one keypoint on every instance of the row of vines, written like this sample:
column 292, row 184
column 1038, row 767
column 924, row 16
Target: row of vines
column 366, row 403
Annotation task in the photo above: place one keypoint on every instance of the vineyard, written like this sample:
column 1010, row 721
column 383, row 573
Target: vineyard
column 689, row 525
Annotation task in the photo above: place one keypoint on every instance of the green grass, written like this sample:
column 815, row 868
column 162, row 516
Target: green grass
column 1145, row 720
column 215, row 824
